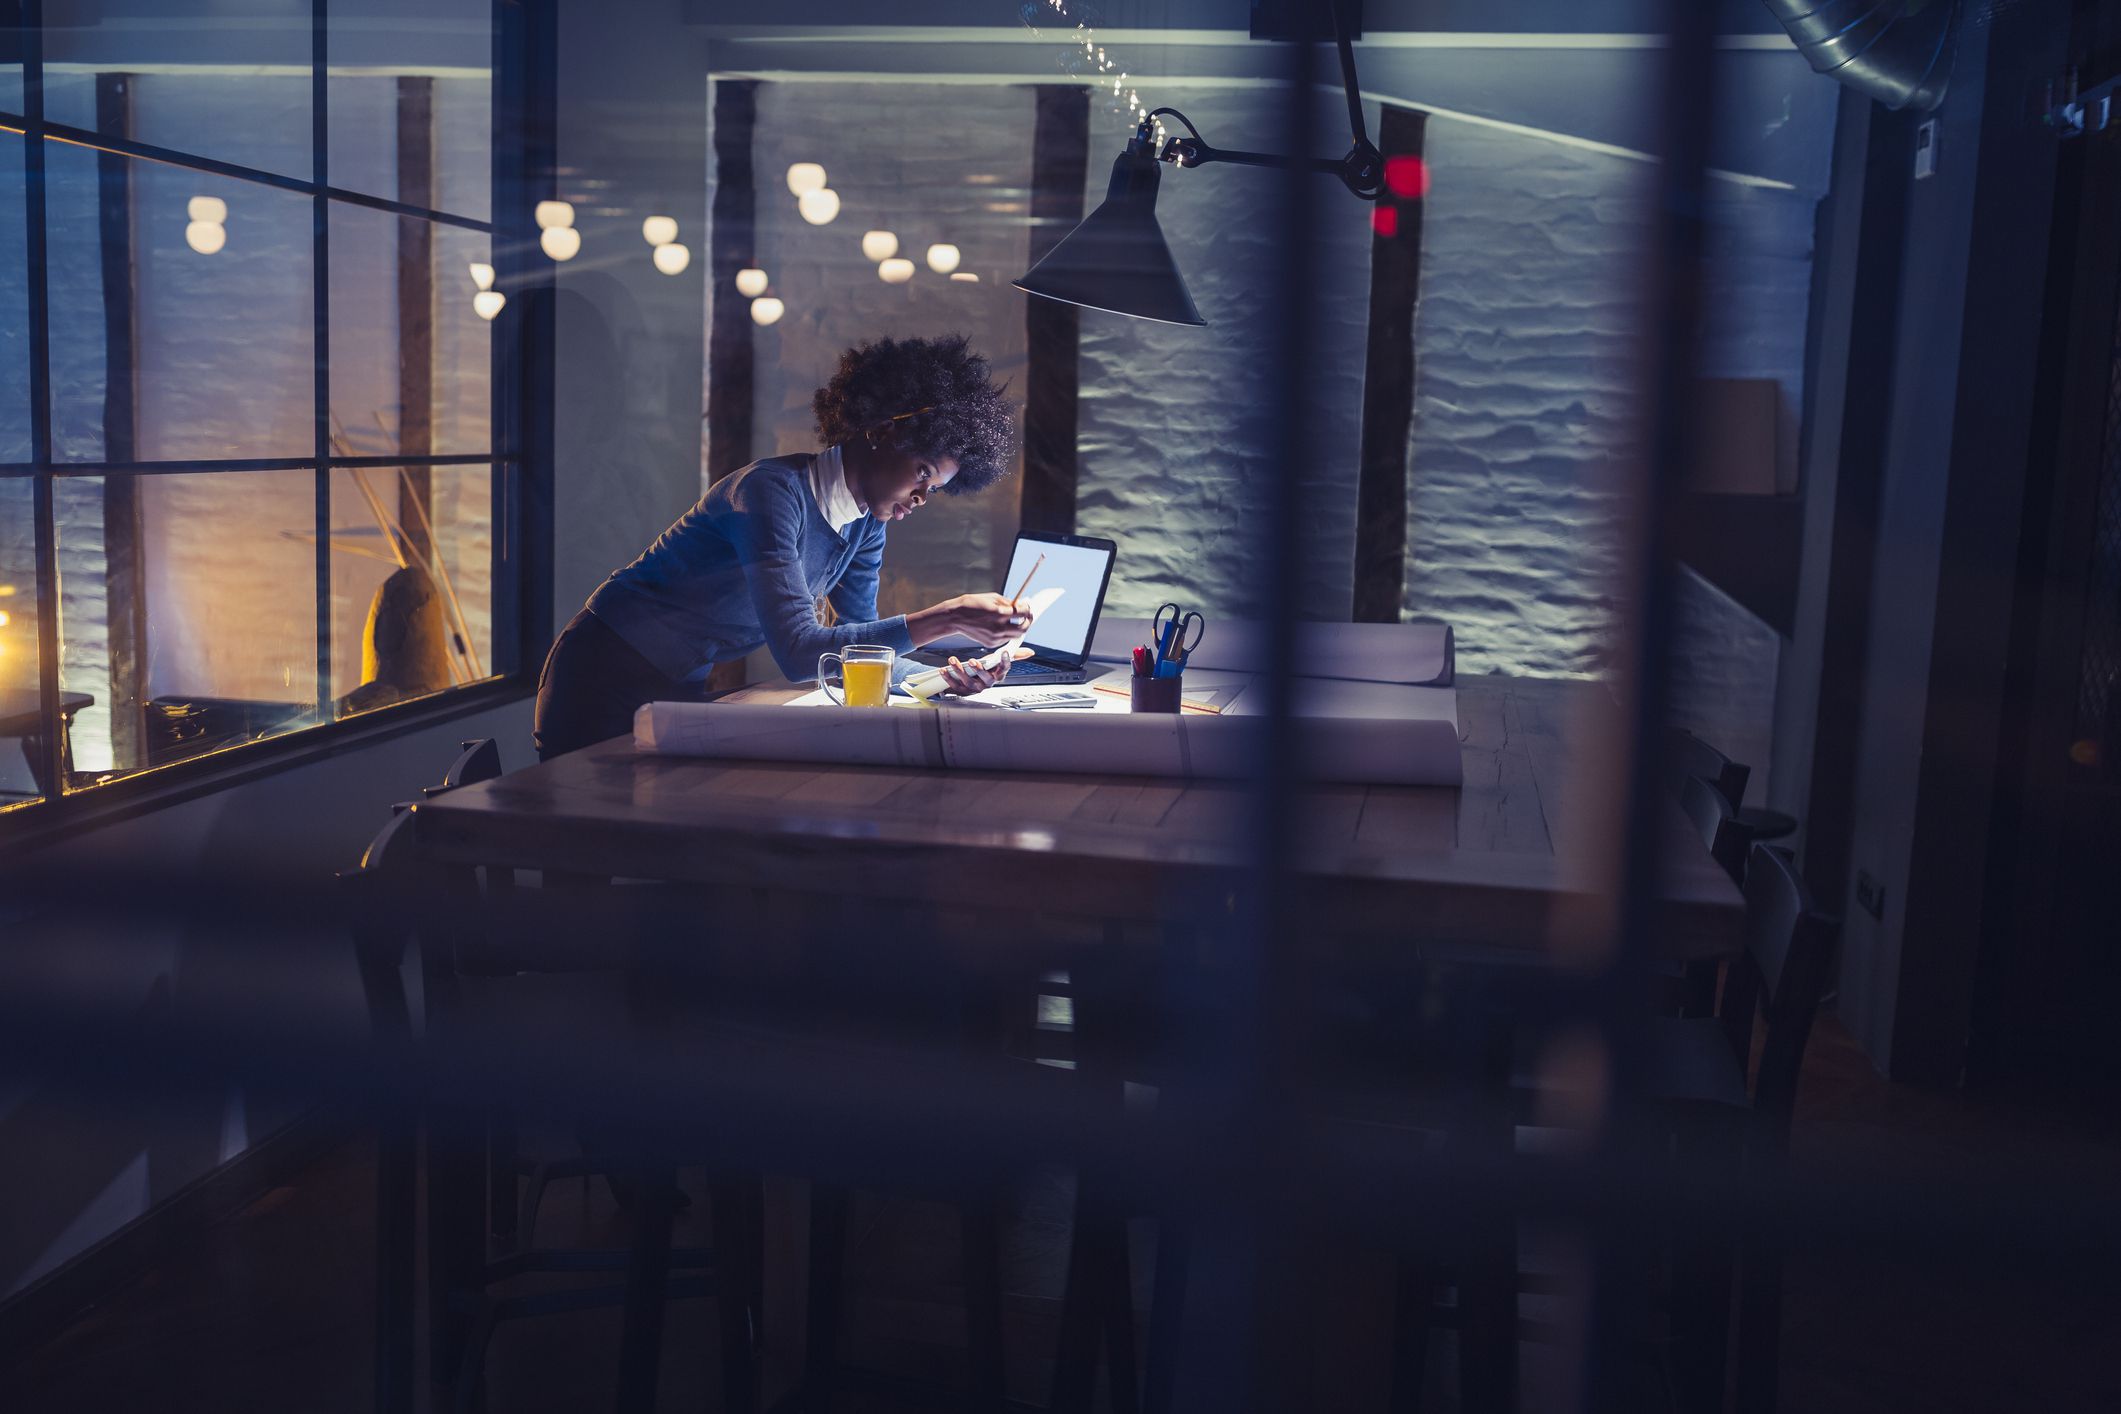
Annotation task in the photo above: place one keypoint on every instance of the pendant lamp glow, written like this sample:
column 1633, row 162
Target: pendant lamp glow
column 751, row 282
column 879, row 245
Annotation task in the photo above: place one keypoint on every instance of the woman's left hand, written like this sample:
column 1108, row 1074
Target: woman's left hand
column 965, row 679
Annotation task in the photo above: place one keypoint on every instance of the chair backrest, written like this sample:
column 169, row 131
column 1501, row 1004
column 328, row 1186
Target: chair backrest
column 478, row 760
column 1687, row 755
column 1715, row 820
column 378, row 925
column 1788, row 958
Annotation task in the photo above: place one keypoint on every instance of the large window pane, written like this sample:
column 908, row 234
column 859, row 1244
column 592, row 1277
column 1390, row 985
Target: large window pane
column 218, row 312
column 189, row 613
column 206, row 77
column 411, row 99
column 14, row 306
column 411, row 582
column 410, row 354
column 18, row 641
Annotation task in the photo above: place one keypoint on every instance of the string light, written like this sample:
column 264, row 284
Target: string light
column 487, row 303
column 895, row 271
column 943, row 257
column 553, row 215
column 767, row 311
column 805, row 177
column 659, row 230
column 672, row 259
column 819, row 206
column 560, row 242
column 482, row 275
column 879, row 245
column 207, row 208
column 751, row 282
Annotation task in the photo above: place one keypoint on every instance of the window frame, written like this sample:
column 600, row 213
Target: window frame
column 519, row 453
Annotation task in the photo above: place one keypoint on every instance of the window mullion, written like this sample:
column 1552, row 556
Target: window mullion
column 40, row 403
column 320, row 335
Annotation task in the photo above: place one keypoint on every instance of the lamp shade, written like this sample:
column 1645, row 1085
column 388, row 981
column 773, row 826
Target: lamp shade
column 1116, row 259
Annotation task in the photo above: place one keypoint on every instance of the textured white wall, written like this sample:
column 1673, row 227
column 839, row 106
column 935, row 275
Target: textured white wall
column 948, row 164
column 1174, row 440
column 1533, row 259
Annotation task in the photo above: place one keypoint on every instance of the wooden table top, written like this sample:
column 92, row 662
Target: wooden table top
column 1488, row 863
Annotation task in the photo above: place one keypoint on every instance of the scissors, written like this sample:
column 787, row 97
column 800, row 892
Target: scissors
column 1176, row 638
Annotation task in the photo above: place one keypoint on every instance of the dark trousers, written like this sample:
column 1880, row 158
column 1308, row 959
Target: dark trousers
column 592, row 684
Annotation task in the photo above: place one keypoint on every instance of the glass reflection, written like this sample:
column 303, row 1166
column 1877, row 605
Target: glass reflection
column 188, row 613
column 199, row 76
column 20, row 753
column 410, row 356
column 411, row 582
column 222, row 355
column 411, row 105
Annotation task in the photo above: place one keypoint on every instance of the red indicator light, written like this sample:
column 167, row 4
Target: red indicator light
column 1385, row 221
column 1407, row 177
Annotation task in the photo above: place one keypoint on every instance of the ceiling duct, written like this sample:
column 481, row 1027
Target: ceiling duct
column 1896, row 51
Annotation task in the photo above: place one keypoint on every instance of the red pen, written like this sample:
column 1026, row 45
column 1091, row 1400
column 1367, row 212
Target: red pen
column 1143, row 664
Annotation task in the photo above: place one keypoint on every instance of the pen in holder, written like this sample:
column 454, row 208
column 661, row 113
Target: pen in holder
column 1152, row 694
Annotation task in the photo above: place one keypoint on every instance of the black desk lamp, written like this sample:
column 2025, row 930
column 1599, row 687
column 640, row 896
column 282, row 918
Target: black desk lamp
column 1117, row 260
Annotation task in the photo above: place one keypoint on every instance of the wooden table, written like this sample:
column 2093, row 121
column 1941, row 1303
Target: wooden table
column 1490, row 863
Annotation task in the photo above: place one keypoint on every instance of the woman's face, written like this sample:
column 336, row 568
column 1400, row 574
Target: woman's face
column 891, row 483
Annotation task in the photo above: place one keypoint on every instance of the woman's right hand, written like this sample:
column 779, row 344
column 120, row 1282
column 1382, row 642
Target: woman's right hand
column 986, row 619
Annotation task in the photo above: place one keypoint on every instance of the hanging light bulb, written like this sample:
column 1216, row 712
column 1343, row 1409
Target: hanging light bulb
column 672, row 259
column 819, row 206
column 964, row 277
column 805, row 177
column 896, row 271
column 554, row 214
column 487, row 303
column 482, row 275
column 560, row 242
column 659, row 230
column 767, row 311
column 943, row 257
column 879, row 245
column 206, row 237
column 751, row 282
column 207, row 208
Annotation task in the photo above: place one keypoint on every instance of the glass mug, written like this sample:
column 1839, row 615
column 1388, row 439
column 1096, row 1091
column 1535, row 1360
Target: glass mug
column 865, row 674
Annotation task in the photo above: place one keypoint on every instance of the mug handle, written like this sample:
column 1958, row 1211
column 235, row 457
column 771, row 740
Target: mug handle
column 826, row 687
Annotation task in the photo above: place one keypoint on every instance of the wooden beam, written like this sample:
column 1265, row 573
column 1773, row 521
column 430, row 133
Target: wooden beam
column 733, row 227
column 416, row 290
column 125, row 622
column 1060, row 150
column 1388, row 384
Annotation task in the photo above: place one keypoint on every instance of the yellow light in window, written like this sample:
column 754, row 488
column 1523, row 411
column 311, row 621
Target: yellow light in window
column 4, row 620
column 7, row 591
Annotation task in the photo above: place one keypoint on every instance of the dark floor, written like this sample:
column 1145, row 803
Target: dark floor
column 271, row 1312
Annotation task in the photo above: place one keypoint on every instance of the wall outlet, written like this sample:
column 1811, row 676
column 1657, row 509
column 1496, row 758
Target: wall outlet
column 1870, row 894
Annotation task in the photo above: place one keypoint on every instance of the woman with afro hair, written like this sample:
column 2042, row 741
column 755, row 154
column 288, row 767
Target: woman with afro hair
column 901, row 421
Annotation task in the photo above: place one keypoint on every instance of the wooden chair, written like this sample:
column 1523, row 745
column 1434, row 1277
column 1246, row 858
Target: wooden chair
column 1715, row 1100
column 1687, row 756
column 387, row 891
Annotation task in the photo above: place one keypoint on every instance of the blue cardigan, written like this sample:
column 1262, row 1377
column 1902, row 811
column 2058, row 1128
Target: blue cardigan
column 745, row 567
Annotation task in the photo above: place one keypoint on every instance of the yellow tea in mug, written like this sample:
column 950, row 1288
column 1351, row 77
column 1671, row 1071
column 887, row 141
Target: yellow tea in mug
column 866, row 684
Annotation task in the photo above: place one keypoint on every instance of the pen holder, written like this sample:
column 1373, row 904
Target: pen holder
column 1157, row 694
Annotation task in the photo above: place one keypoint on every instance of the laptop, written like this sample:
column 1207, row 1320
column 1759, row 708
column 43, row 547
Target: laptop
column 1060, row 640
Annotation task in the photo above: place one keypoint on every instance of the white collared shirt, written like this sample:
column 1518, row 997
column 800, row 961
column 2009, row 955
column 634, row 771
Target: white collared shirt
column 828, row 486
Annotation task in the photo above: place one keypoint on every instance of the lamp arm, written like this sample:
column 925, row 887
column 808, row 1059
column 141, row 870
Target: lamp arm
column 1361, row 171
